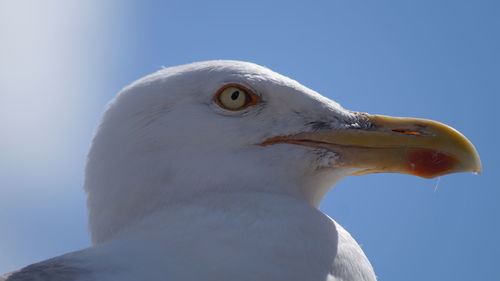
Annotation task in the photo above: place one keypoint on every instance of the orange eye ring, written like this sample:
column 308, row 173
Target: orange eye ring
column 235, row 97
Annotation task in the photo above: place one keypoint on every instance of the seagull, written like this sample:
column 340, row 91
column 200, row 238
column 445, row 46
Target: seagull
column 215, row 171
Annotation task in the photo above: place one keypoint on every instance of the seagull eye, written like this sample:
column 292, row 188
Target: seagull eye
column 235, row 97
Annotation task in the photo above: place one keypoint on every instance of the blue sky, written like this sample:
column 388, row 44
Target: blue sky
column 62, row 62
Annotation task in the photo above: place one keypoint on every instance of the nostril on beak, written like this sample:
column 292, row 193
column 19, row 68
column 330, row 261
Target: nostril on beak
column 407, row 132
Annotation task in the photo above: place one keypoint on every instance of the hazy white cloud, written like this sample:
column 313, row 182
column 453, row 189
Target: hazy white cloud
column 48, row 51
column 53, row 57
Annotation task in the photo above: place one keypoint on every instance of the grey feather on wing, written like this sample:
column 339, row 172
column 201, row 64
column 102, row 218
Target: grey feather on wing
column 5, row 276
column 50, row 270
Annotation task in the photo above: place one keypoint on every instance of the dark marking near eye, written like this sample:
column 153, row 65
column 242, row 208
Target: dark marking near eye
column 318, row 125
column 235, row 95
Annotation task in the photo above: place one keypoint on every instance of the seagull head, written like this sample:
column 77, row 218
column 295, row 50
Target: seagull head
column 227, row 126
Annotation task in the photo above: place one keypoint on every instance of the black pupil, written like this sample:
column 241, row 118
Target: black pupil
column 235, row 95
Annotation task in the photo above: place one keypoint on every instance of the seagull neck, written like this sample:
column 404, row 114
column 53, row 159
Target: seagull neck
column 299, row 189
column 236, row 207
column 122, row 195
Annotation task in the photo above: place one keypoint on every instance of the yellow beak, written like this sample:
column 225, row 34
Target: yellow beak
column 412, row 146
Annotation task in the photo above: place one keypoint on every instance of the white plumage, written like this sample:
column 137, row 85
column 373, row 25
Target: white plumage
column 182, row 189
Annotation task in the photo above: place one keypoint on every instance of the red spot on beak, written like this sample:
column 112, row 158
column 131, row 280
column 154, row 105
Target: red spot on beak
column 429, row 163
